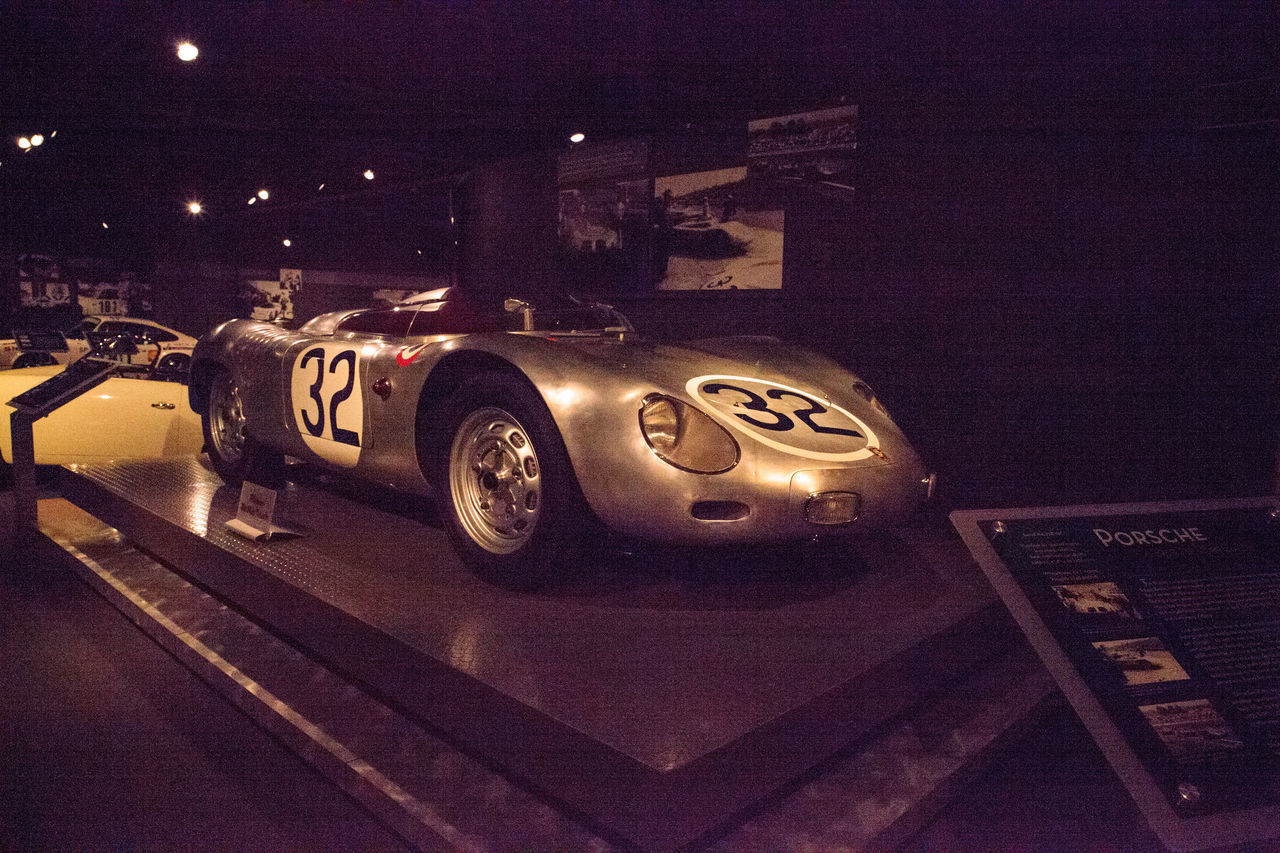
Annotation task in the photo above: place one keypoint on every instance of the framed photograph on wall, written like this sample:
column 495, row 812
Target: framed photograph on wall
column 717, row 230
column 603, row 219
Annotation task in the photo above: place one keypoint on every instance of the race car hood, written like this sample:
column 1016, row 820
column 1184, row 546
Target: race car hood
column 761, row 385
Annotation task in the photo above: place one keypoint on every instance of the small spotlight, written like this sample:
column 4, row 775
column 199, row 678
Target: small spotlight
column 264, row 195
column 319, row 188
column 37, row 140
column 24, row 143
column 104, row 226
column 195, row 208
column 368, row 174
column 577, row 137
column 252, row 199
column 287, row 242
column 188, row 51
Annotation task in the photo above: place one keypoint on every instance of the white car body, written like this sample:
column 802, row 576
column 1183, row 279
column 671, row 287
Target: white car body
column 123, row 418
column 151, row 338
column 11, row 355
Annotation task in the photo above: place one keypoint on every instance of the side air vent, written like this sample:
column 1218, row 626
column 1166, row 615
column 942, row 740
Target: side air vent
column 719, row 511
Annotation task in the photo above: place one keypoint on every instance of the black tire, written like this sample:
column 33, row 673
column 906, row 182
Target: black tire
column 172, row 367
column 505, row 488
column 233, row 452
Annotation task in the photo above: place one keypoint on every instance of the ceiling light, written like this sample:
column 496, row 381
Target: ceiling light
column 263, row 194
column 37, row 140
column 319, row 188
column 188, row 51
column 252, row 199
column 368, row 174
column 194, row 207
column 577, row 137
column 24, row 143
column 287, row 242
column 104, row 226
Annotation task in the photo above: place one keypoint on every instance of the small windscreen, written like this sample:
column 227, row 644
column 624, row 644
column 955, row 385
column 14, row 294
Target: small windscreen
column 391, row 322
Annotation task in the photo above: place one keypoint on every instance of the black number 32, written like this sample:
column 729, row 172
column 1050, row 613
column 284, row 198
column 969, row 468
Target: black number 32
column 315, row 425
column 779, row 421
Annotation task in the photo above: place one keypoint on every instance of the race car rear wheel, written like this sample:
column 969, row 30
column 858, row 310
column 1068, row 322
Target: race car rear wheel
column 506, row 488
column 232, row 451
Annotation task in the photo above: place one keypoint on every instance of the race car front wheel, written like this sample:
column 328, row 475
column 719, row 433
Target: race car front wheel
column 505, row 484
column 232, row 451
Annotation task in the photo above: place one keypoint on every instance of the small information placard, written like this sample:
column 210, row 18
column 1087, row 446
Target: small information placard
column 1161, row 624
column 255, row 514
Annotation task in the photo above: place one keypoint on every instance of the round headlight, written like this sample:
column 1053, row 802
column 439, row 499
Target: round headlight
column 684, row 437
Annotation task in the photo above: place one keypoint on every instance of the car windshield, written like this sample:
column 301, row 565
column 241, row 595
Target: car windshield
column 570, row 314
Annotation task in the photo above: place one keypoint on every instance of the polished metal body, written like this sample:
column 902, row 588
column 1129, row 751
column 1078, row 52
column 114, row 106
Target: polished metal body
column 593, row 383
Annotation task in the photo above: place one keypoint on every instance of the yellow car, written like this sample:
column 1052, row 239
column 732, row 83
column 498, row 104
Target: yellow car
column 126, row 417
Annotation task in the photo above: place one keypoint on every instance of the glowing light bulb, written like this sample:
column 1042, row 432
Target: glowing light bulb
column 195, row 208
column 187, row 51
column 264, row 195
column 368, row 174
column 577, row 137
column 24, row 143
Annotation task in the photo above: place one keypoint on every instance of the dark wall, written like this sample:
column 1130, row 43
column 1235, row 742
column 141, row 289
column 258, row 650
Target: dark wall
column 507, row 213
column 1070, row 315
column 1052, row 318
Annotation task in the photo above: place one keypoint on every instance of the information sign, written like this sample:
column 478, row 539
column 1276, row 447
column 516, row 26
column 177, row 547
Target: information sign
column 1161, row 624
column 75, row 379
column 255, row 514
column 40, row 340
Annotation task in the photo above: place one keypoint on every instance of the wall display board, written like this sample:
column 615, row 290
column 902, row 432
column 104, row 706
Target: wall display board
column 98, row 285
column 710, row 239
column 272, row 300
column 603, row 222
column 699, row 209
column 818, row 147
column 1161, row 624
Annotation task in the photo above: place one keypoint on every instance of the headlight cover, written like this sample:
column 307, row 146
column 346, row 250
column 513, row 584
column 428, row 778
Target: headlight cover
column 864, row 391
column 682, row 436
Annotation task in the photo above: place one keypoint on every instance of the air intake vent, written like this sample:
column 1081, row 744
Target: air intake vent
column 719, row 511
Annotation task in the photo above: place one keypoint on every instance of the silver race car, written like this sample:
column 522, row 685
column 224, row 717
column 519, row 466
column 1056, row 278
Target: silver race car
column 531, row 426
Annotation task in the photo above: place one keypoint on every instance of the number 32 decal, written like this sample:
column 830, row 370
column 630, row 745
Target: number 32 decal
column 785, row 418
column 327, row 404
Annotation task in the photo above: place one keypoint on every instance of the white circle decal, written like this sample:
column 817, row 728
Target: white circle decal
column 785, row 418
column 328, row 406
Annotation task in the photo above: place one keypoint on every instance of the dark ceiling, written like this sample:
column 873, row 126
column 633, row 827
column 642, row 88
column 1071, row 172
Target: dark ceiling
column 295, row 95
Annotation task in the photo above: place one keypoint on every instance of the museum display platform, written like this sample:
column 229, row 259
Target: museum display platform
column 661, row 700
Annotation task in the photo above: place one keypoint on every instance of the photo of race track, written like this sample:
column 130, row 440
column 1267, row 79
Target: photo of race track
column 717, row 231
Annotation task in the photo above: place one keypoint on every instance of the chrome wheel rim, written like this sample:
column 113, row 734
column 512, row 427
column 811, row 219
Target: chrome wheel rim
column 495, row 480
column 226, row 420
